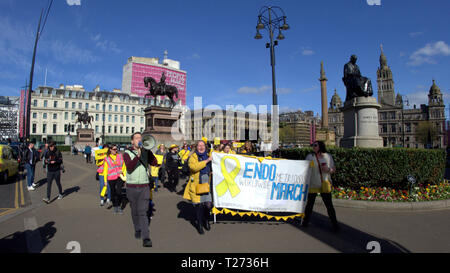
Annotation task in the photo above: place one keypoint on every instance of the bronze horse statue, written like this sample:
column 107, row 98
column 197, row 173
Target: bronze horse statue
column 84, row 118
column 156, row 89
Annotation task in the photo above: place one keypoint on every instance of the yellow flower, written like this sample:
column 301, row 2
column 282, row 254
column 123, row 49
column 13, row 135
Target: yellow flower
column 362, row 188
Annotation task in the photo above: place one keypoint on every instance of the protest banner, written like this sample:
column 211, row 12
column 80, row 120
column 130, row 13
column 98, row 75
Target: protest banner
column 259, row 184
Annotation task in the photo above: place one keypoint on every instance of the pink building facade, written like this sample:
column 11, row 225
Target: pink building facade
column 135, row 72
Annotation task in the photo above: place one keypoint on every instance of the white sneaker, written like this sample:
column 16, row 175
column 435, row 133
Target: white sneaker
column 102, row 203
column 60, row 196
column 31, row 188
column 34, row 185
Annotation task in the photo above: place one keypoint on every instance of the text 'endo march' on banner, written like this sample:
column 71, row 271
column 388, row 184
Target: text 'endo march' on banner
column 270, row 185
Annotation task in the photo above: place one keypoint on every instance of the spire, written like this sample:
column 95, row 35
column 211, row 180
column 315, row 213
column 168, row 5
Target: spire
column 383, row 59
column 322, row 73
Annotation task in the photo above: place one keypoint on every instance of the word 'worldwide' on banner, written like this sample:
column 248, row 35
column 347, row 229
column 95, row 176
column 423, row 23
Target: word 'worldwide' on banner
column 260, row 184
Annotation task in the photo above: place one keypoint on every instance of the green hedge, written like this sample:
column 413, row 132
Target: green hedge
column 359, row 167
column 63, row 148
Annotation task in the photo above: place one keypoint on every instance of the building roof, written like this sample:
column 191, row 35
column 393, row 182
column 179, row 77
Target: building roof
column 434, row 89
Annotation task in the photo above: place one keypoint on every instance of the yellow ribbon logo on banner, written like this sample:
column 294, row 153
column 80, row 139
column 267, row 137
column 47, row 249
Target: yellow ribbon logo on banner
column 228, row 182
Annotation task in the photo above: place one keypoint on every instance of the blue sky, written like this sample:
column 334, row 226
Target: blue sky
column 88, row 44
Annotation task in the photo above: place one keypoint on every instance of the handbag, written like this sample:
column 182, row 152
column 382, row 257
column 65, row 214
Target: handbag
column 328, row 185
column 202, row 188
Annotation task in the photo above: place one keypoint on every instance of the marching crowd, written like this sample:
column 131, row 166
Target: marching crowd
column 132, row 176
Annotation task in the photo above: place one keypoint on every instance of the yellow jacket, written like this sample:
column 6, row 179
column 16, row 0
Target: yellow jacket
column 184, row 155
column 105, row 167
column 195, row 167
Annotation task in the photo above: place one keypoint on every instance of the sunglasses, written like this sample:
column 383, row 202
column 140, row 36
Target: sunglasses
column 314, row 145
column 115, row 149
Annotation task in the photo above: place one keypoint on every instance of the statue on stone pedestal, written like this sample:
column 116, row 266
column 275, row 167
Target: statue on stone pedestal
column 161, row 89
column 84, row 118
column 357, row 85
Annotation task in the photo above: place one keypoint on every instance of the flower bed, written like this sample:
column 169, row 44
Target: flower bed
column 420, row 193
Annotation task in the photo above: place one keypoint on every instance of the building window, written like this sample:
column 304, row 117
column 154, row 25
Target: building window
column 132, row 130
column 128, row 109
column 116, row 108
column 103, row 117
column 115, row 118
column 97, row 107
column 127, row 129
column 96, row 128
column 103, row 107
column 74, row 105
column 80, row 105
column 142, row 119
column 73, row 115
column 392, row 115
column 121, row 118
column 128, row 119
column 110, row 108
column 34, row 115
column 55, row 116
column 44, row 128
column 45, row 103
column 109, row 129
column 121, row 129
column 96, row 117
column 66, row 115
column 66, row 105
column 142, row 129
column 394, row 128
column 408, row 127
column 54, row 128
column 384, row 128
column 55, row 104
column 115, row 129
column 87, row 106
column 109, row 118
column 132, row 119
column 121, row 108
column 35, row 103
column 34, row 128
column 132, row 109
column 44, row 115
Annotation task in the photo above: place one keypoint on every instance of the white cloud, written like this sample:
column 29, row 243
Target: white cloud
column 415, row 34
column 194, row 56
column 309, row 89
column 105, row 45
column 254, row 90
column 73, row 2
column 307, row 52
column 284, row 90
column 424, row 54
column 68, row 52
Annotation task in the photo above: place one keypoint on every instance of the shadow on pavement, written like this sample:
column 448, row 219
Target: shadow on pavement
column 29, row 241
column 348, row 239
column 187, row 212
column 71, row 190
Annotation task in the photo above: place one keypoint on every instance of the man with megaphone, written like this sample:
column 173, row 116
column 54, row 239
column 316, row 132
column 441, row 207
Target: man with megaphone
column 137, row 160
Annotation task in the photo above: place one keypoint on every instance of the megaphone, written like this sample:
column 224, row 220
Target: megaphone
column 148, row 142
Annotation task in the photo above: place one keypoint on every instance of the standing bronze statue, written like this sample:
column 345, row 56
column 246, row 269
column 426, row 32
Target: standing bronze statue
column 84, row 118
column 357, row 85
column 161, row 89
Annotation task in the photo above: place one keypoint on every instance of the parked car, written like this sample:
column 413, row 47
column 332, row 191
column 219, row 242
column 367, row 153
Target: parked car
column 9, row 166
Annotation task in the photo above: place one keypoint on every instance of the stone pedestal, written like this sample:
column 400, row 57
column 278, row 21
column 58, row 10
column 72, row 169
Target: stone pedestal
column 68, row 140
column 327, row 136
column 163, row 124
column 361, row 123
column 85, row 136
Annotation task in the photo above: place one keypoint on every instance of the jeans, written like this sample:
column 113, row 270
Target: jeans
column 173, row 176
column 50, row 176
column 88, row 158
column 139, row 202
column 326, row 197
column 116, row 191
column 30, row 173
column 155, row 180
column 101, row 179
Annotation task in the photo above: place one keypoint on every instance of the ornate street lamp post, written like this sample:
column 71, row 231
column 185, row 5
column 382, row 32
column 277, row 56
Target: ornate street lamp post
column 405, row 101
column 272, row 19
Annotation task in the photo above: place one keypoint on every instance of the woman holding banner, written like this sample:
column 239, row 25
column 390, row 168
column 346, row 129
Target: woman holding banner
column 198, row 188
column 322, row 167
